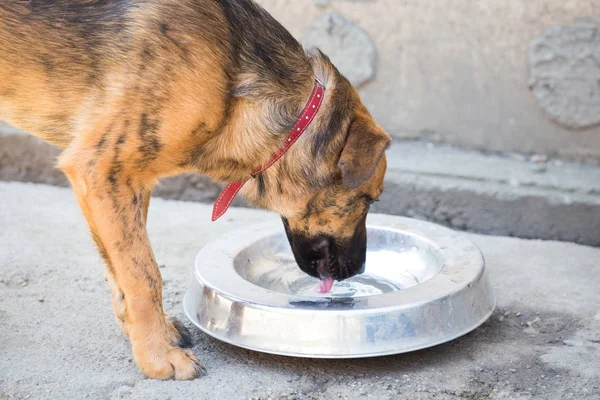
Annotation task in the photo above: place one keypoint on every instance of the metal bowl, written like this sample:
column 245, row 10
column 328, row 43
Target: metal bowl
column 423, row 285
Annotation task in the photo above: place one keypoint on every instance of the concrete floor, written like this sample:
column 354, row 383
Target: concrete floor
column 59, row 340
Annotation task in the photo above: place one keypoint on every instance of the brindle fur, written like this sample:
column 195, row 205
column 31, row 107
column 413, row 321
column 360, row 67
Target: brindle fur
column 136, row 90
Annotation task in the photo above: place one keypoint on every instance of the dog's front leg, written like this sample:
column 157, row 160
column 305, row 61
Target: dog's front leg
column 115, row 204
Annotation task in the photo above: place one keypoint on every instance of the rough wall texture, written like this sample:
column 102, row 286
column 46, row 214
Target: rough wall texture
column 344, row 42
column 460, row 71
column 564, row 64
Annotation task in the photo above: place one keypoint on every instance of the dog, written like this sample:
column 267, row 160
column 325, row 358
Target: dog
column 136, row 90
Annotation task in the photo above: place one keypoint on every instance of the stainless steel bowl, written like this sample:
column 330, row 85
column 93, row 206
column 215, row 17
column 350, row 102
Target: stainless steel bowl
column 423, row 285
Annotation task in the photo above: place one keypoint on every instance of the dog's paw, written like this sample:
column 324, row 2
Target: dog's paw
column 163, row 356
column 180, row 336
column 185, row 364
column 168, row 363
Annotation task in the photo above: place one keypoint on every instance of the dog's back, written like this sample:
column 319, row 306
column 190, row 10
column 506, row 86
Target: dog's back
column 51, row 56
column 64, row 64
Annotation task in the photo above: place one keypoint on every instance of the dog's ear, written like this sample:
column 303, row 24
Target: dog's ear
column 365, row 145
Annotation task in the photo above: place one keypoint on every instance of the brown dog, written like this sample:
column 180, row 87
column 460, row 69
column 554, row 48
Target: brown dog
column 135, row 90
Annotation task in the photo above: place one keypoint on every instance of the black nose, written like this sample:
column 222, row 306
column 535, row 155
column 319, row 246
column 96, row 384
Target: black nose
column 325, row 256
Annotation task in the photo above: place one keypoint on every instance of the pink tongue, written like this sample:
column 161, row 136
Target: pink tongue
column 325, row 286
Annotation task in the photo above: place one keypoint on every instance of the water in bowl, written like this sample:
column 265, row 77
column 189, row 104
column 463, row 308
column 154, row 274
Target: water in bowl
column 394, row 262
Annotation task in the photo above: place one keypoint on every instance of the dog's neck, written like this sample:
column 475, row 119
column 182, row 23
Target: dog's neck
column 272, row 78
column 255, row 129
column 302, row 123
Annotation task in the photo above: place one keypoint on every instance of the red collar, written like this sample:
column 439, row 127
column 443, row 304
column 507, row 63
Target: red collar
column 307, row 116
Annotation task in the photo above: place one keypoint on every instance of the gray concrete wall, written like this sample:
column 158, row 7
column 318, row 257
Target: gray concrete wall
column 508, row 76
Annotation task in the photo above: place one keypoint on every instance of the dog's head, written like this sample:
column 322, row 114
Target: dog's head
column 323, row 187
column 328, row 232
